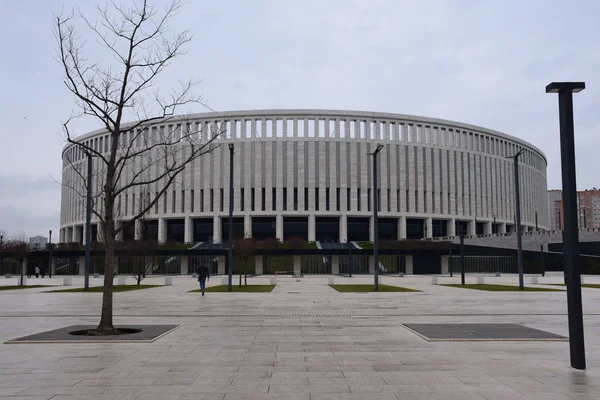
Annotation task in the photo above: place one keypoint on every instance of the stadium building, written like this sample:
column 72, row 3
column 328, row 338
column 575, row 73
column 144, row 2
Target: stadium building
column 308, row 174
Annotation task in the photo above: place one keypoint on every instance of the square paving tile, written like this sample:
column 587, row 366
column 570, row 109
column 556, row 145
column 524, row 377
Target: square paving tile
column 481, row 332
column 148, row 334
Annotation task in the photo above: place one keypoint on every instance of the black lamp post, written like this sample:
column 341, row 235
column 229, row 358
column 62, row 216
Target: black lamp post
column 88, row 224
column 536, row 221
column 518, row 217
column 230, row 253
column 462, row 253
column 571, row 267
column 1, row 255
column 350, row 257
column 50, row 255
column 375, row 219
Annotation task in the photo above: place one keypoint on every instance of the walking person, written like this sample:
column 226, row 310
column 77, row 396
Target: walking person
column 203, row 275
column 37, row 272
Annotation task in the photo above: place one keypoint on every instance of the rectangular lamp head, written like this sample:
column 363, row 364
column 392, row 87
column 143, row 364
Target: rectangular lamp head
column 574, row 87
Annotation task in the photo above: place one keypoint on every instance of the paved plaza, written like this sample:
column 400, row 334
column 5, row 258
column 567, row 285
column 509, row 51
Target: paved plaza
column 303, row 341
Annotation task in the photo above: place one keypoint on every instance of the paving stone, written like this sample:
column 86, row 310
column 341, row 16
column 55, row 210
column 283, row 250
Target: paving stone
column 307, row 346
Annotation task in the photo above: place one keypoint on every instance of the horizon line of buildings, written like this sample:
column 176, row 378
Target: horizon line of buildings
column 588, row 208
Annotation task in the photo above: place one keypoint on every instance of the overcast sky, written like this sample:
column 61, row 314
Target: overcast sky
column 483, row 63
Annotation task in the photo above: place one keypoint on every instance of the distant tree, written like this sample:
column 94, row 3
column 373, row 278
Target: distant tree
column 296, row 243
column 142, row 250
column 244, row 249
column 143, row 257
column 18, row 247
column 137, row 46
column 270, row 243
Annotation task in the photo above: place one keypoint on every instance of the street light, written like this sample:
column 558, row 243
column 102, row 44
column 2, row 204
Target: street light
column 230, row 254
column 518, row 217
column 571, row 267
column 375, row 222
column 1, row 255
column 88, row 221
column 50, row 255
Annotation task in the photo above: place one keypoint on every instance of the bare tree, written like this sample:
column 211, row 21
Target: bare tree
column 18, row 247
column 141, row 46
column 244, row 249
column 142, row 253
column 142, row 250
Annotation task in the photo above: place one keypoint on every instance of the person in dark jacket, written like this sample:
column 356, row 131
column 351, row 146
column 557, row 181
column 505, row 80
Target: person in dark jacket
column 203, row 275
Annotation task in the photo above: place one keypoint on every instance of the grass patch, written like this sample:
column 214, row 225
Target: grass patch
column 586, row 285
column 369, row 288
column 24, row 287
column 502, row 288
column 100, row 289
column 239, row 289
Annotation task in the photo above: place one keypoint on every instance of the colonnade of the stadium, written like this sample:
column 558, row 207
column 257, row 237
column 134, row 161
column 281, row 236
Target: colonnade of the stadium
column 307, row 173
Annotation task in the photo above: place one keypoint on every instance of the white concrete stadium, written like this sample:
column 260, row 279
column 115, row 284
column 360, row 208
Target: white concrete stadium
column 306, row 173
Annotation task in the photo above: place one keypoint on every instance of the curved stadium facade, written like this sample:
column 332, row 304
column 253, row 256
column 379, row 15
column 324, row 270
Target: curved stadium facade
column 307, row 174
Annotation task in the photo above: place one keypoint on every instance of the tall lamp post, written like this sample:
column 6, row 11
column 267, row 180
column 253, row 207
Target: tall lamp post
column 462, row 253
column 88, row 224
column 1, row 255
column 375, row 220
column 350, row 257
column 50, row 255
column 518, row 217
column 571, row 267
column 230, row 254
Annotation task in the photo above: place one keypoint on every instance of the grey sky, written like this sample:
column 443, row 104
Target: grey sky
column 484, row 63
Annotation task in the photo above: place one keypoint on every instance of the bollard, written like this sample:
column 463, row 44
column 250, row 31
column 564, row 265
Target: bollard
column 68, row 281
column 96, row 275
column 168, row 281
column 8, row 276
column 121, row 281
column 497, row 274
column 534, row 280
column 401, row 274
column 330, row 280
column 194, row 275
column 480, row 280
column 434, row 280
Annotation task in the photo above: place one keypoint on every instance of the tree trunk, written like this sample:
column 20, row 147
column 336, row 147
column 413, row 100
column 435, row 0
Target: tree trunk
column 106, row 319
column 23, row 267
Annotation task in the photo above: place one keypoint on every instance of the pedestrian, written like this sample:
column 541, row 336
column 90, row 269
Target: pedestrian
column 43, row 272
column 37, row 272
column 203, row 275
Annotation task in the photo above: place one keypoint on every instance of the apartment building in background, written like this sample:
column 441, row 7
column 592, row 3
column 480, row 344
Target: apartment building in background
column 588, row 208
